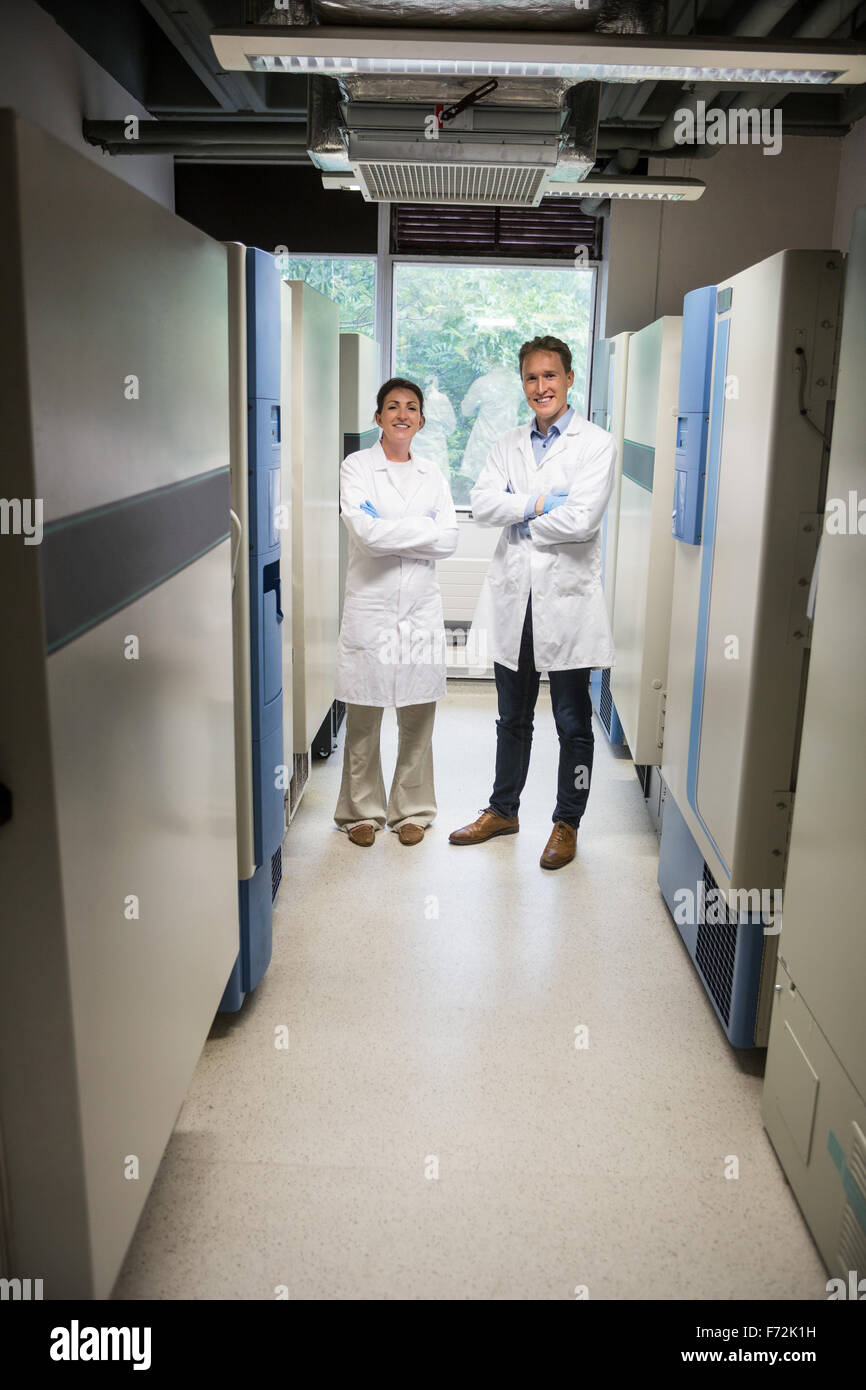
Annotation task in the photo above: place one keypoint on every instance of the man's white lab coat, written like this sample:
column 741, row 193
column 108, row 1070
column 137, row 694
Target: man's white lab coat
column 560, row 560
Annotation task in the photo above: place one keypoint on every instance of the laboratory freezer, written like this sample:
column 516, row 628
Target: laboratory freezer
column 118, row 848
column 645, row 548
column 312, row 342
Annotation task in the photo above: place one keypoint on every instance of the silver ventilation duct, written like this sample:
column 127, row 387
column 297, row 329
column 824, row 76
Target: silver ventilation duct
column 577, row 155
column 603, row 16
column 427, row 91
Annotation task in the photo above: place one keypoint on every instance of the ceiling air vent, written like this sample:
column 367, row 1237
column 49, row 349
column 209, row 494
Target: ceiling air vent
column 486, row 155
column 497, row 185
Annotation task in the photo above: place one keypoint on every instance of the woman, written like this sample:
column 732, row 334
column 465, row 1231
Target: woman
column 400, row 519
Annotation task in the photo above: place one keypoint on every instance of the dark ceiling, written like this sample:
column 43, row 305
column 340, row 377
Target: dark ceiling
column 160, row 51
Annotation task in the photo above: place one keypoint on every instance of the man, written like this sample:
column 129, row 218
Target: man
column 547, row 484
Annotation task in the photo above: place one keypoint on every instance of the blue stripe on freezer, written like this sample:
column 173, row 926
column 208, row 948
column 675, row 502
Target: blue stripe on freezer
column 714, row 452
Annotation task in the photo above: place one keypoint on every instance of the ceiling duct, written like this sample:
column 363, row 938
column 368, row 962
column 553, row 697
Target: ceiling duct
column 577, row 155
column 606, row 16
column 326, row 137
column 486, row 154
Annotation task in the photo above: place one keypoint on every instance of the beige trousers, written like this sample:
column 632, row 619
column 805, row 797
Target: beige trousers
column 412, row 799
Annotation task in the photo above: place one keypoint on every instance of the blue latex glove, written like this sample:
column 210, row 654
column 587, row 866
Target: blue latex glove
column 552, row 500
column 433, row 513
column 367, row 506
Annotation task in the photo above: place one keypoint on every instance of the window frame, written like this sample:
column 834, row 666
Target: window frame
column 386, row 276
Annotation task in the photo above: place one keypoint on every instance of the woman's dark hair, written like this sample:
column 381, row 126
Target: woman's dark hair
column 395, row 384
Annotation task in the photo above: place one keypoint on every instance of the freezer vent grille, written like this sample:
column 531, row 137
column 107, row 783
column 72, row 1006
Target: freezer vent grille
column 276, row 872
column 488, row 184
column 858, row 1159
column 605, row 701
column 852, row 1241
column 716, row 950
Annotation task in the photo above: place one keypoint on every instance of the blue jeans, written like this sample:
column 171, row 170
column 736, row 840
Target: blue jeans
column 572, row 713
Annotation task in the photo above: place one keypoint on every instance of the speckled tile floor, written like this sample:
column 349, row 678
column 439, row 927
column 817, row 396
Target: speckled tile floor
column 432, row 1131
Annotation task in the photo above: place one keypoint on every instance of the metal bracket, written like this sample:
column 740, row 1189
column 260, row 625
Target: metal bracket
column 782, row 804
column 809, row 526
column 660, row 727
column 447, row 113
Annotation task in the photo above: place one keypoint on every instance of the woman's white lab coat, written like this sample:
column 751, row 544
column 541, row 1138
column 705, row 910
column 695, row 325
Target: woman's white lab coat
column 560, row 560
column 392, row 638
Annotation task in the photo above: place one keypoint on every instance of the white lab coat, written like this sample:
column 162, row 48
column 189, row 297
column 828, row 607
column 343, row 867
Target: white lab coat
column 560, row 561
column 392, row 638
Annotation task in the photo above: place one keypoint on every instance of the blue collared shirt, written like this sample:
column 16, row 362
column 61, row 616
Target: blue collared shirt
column 541, row 443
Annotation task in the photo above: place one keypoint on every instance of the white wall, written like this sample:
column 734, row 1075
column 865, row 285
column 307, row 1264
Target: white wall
column 48, row 79
column 851, row 192
column 754, row 206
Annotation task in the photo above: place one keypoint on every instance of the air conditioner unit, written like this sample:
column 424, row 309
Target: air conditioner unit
column 486, row 154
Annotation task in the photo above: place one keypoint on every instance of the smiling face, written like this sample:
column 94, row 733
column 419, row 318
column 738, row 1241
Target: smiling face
column 400, row 418
column 545, row 385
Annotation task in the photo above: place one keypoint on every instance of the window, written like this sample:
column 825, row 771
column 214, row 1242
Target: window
column 350, row 281
column 457, row 331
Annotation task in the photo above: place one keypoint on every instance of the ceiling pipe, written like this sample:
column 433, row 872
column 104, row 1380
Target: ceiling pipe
column 623, row 162
column 195, row 137
column 633, row 137
column 826, row 19
column 762, row 19
column 641, row 140
column 227, row 154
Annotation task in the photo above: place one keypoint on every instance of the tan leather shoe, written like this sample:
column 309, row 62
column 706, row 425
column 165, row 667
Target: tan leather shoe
column 410, row 834
column 363, row 835
column 484, row 828
column 561, row 846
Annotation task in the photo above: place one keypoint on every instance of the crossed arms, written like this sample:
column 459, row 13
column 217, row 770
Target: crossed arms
column 576, row 518
column 411, row 537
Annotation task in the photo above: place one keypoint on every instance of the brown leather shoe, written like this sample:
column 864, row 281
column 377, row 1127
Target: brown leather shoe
column 484, row 828
column 363, row 835
column 410, row 834
column 561, row 846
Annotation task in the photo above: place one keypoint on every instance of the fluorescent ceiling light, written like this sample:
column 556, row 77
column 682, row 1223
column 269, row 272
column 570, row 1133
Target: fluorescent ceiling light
column 651, row 189
column 579, row 57
column 656, row 189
